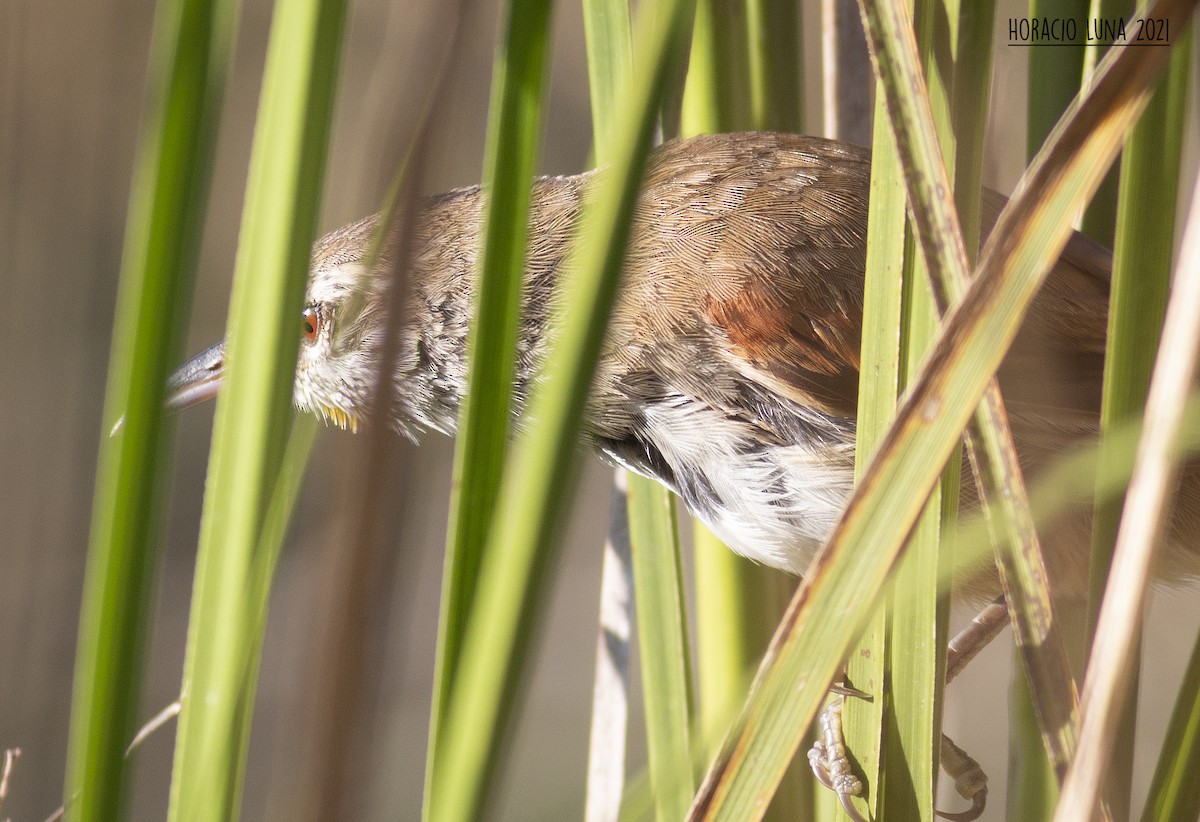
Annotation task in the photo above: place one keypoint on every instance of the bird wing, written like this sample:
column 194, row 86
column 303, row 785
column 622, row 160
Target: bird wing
column 750, row 253
column 746, row 249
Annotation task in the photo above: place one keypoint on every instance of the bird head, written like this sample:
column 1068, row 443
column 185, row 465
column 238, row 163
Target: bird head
column 341, row 329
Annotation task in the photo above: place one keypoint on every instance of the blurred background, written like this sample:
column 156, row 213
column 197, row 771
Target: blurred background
column 71, row 92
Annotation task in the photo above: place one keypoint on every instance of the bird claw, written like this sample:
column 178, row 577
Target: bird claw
column 848, row 690
column 977, row 807
column 970, row 781
column 828, row 759
column 831, row 766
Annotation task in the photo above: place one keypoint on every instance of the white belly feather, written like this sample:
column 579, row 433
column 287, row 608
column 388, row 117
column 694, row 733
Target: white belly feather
column 774, row 504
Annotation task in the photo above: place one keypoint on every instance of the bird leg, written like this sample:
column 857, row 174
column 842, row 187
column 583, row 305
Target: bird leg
column 969, row 778
column 967, row 643
column 831, row 765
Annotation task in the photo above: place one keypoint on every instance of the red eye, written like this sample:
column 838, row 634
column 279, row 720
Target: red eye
column 311, row 324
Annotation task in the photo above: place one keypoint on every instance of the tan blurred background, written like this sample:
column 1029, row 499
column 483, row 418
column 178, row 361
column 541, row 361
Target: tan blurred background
column 71, row 88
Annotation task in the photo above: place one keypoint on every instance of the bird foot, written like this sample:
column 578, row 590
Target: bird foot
column 831, row 765
column 828, row 759
column 969, row 780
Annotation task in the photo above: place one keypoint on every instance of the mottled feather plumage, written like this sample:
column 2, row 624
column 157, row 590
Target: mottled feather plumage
column 730, row 370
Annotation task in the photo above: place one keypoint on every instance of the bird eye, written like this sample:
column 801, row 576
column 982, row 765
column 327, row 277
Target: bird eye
column 311, row 324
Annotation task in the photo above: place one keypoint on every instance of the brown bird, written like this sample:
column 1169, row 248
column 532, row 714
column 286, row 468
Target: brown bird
column 730, row 371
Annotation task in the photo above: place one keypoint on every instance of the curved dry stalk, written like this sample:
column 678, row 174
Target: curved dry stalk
column 11, row 755
column 610, row 693
column 1142, row 525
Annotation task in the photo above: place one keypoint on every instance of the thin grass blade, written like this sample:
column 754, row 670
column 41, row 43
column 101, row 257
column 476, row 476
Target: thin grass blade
column 879, row 388
column 190, row 54
column 609, row 41
column 919, row 620
column 775, row 35
column 254, row 411
column 662, row 645
column 266, row 560
column 738, row 603
column 717, row 94
column 1099, row 218
column 608, row 38
column 514, row 137
column 538, row 471
column 1054, row 73
column 656, row 564
column 989, row 441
